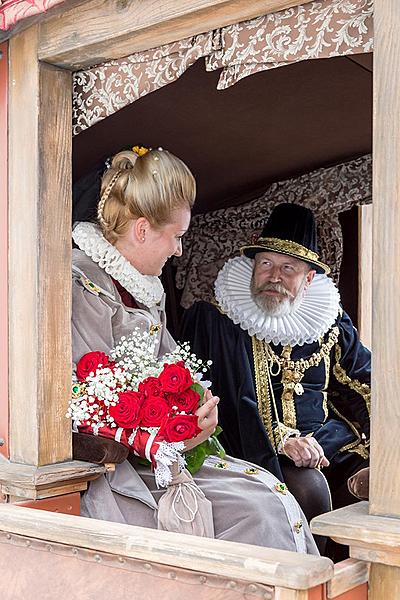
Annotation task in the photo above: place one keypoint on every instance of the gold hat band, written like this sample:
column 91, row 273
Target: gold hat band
column 278, row 245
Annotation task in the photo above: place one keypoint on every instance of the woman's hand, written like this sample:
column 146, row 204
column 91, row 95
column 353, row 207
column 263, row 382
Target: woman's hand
column 208, row 420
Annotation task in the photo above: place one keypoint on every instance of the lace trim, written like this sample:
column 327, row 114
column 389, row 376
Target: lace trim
column 312, row 319
column 167, row 454
column 146, row 289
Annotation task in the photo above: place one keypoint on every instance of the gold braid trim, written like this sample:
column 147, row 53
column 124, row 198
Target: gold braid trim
column 327, row 361
column 288, row 405
column 263, row 396
column 288, row 246
column 361, row 388
column 357, row 446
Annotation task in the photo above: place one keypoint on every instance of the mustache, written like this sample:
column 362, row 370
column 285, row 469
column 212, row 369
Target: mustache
column 273, row 287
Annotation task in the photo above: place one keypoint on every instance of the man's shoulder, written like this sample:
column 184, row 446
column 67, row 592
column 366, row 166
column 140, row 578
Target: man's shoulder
column 209, row 314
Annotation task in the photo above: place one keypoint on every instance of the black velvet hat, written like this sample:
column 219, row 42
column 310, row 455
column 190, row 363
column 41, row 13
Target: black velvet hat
column 290, row 230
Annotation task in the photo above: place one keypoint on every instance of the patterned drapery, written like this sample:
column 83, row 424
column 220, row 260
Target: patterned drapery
column 216, row 236
column 320, row 29
column 100, row 92
column 12, row 11
column 316, row 30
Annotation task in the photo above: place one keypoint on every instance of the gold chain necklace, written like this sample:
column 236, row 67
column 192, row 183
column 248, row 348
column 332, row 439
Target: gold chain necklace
column 293, row 372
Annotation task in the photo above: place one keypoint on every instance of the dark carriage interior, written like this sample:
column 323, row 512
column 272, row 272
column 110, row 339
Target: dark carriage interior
column 268, row 127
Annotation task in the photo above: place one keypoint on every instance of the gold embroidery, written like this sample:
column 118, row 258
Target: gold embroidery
column 288, row 246
column 327, row 361
column 262, row 389
column 290, row 380
column 293, row 372
column 351, row 447
column 361, row 450
column 361, row 388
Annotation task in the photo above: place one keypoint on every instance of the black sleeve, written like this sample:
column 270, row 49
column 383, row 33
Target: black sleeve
column 350, row 382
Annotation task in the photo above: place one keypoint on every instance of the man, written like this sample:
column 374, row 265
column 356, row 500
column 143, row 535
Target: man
column 288, row 365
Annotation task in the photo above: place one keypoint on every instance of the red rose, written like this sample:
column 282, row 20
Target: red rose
column 90, row 362
column 154, row 411
column 187, row 401
column 175, row 378
column 127, row 412
column 150, row 387
column 180, row 428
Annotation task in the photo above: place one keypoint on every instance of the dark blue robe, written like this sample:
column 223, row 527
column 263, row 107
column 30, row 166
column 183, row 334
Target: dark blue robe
column 334, row 407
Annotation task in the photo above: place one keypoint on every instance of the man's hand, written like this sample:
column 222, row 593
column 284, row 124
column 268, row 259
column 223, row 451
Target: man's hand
column 305, row 452
column 208, row 420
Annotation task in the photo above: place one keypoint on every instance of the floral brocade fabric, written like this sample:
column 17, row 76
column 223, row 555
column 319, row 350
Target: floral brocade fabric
column 320, row 29
column 216, row 236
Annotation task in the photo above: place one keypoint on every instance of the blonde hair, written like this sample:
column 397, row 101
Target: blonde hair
column 150, row 186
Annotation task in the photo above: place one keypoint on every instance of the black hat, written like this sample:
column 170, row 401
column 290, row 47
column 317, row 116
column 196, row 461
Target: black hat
column 290, row 230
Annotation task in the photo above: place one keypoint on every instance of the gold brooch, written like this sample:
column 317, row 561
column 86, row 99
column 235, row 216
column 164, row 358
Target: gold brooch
column 155, row 328
column 297, row 526
column 221, row 465
column 77, row 390
column 90, row 286
column 251, row 471
column 281, row 488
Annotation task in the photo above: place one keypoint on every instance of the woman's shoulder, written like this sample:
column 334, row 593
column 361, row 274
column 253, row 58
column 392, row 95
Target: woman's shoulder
column 86, row 272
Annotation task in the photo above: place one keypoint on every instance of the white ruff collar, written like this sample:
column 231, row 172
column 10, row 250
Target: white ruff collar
column 313, row 318
column 146, row 289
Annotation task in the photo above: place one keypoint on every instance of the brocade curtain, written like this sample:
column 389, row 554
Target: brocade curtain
column 216, row 236
column 320, row 29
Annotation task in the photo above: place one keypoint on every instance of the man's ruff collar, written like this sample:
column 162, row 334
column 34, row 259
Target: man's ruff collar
column 146, row 289
column 314, row 316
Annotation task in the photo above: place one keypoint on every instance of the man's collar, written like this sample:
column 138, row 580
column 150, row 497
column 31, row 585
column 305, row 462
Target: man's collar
column 314, row 316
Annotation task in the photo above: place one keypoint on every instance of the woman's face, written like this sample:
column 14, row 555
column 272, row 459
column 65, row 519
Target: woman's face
column 163, row 242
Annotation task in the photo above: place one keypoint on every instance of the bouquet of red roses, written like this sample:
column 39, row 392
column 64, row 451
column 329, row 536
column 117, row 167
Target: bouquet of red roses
column 146, row 405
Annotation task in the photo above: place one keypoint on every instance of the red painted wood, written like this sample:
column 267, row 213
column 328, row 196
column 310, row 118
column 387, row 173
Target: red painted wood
column 358, row 593
column 317, row 593
column 3, row 248
column 68, row 504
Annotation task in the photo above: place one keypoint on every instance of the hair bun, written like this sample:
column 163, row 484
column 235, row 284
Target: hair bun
column 124, row 160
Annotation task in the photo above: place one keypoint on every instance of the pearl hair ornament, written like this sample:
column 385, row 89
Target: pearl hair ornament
column 139, row 151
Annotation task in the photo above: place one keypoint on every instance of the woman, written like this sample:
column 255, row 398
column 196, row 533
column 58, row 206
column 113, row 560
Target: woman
column 144, row 210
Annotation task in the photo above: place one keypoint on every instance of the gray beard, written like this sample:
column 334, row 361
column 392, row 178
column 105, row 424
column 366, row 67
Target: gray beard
column 275, row 307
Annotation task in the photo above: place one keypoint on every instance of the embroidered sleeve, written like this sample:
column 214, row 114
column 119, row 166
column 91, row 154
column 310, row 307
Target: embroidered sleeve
column 351, row 376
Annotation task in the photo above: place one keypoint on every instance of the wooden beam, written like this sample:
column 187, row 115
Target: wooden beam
column 34, row 483
column 242, row 561
column 385, row 448
column 39, row 255
column 3, row 249
column 348, row 575
column 100, row 30
column 367, row 535
column 365, row 274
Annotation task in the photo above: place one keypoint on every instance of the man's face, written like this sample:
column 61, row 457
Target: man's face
column 278, row 282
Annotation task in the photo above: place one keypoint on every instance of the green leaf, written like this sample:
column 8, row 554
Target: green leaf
column 195, row 458
column 215, row 447
column 217, row 431
column 200, row 390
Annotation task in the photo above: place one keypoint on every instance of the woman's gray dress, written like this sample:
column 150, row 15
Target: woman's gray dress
column 249, row 508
